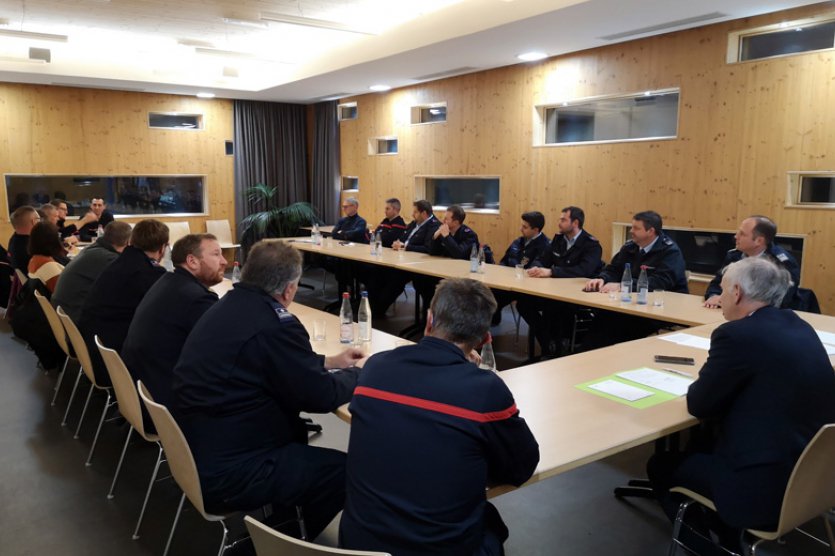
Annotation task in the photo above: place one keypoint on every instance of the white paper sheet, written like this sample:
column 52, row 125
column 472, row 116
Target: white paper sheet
column 830, row 350
column 826, row 337
column 687, row 340
column 660, row 380
column 620, row 390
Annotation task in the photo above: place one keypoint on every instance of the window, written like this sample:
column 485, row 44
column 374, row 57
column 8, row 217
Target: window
column 478, row 193
column 429, row 113
column 811, row 190
column 782, row 39
column 175, row 121
column 382, row 145
column 650, row 115
column 350, row 183
column 347, row 111
column 124, row 195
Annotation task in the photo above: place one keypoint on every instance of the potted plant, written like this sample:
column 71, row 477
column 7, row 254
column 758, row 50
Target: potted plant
column 272, row 220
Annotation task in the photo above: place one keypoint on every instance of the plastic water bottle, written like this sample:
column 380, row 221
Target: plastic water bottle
column 372, row 242
column 488, row 359
column 378, row 244
column 100, row 231
column 481, row 262
column 643, row 287
column 364, row 319
column 626, row 284
column 236, row 272
column 316, row 234
column 346, row 321
column 474, row 259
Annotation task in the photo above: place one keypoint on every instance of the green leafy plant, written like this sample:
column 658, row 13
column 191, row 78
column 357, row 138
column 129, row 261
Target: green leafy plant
column 272, row 220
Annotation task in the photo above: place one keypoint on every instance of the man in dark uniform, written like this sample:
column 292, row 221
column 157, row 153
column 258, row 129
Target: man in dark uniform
column 23, row 220
column 352, row 226
column 429, row 431
column 661, row 257
column 766, row 388
column 393, row 225
column 169, row 311
column 755, row 238
column 374, row 276
column 103, row 217
column 573, row 253
column 523, row 251
column 245, row 372
column 68, row 230
column 114, row 297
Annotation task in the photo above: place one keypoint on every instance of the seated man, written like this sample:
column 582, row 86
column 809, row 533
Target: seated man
column 23, row 220
column 393, row 225
column 662, row 258
column 573, row 253
column 452, row 238
column 169, row 311
column 98, row 215
column 755, row 238
column 79, row 276
column 350, row 227
column 523, row 251
column 116, row 294
column 767, row 387
column 244, row 374
column 68, row 231
column 429, row 431
column 374, row 276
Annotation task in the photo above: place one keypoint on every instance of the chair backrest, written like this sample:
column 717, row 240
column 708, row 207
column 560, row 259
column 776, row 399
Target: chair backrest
column 78, row 345
column 177, row 230
column 221, row 230
column 54, row 323
column 21, row 276
column 125, row 390
column 268, row 542
column 180, row 460
column 811, row 488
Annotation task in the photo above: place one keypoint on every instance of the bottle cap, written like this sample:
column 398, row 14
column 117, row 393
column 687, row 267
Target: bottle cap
column 345, row 295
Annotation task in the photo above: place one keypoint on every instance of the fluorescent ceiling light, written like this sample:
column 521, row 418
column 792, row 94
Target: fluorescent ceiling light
column 246, row 23
column 532, row 56
column 33, row 36
column 313, row 22
column 225, row 53
column 21, row 59
column 205, row 95
column 380, row 88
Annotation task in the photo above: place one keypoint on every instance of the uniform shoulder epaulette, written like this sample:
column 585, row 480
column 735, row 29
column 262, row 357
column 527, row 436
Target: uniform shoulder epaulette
column 667, row 240
column 592, row 238
column 782, row 257
column 283, row 314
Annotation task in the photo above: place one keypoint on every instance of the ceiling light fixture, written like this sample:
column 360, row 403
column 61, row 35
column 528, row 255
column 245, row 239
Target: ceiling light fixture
column 380, row 88
column 532, row 56
column 246, row 22
column 313, row 22
column 33, row 36
column 205, row 95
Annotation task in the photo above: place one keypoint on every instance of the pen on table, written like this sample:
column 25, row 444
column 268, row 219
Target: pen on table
column 677, row 372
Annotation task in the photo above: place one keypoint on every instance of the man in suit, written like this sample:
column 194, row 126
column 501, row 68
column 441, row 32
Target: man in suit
column 573, row 253
column 169, row 311
column 755, row 238
column 429, row 431
column 767, row 387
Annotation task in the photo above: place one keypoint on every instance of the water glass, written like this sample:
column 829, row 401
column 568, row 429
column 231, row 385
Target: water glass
column 319, row 330
column 658, row 298
column 520, row 271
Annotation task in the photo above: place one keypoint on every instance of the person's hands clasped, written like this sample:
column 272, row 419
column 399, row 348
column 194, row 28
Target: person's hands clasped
column 351, row 357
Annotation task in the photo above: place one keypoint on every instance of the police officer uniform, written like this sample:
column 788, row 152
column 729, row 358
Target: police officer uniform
column 455, row 246
column 429, row 431
column 776, row 254
column 245, row 372
column 521, row 251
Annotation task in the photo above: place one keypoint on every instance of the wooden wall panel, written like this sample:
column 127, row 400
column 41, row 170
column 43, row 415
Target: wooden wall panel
column 742, row 127
column 61, row 130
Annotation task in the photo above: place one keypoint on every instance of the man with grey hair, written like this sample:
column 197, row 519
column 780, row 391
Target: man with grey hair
column 352, row 226
column 245, row 372
column 429, row 430
column 767, row 387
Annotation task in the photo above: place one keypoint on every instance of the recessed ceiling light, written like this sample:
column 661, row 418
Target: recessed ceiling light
column 205, row 95
column 246, row 23
column 380, row 88
column 532, row 56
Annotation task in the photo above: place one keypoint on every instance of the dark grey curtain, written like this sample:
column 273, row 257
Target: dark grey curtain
column 270, row 145
column 325, row 184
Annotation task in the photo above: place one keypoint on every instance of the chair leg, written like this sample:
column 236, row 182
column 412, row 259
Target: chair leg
column 223, row 546
column 107, row 405
column 148, row 493
column 682, row 509
column 829, row 535
column 60, row 380
column 72, row 396
column 119, row 465
column 302, row 527
column 84, row 411
column 174, row 525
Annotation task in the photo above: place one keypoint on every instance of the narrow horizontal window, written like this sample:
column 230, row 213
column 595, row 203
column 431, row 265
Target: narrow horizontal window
column 471, row 192
column 633, row 117
column 347, row 111
column 175, row 121
column 382, row 145
column 429, row 113
column 350, row 183
column 789, row 39
column 812, row 190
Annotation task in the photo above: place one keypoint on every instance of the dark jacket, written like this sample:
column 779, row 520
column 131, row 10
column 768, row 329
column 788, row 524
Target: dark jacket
column 162, row 322
column 430, row 430
column 664, row 261
column 390, row 230
column 519, row 253
column 88, row 231
column 351, row 228
column 112, row 301
column 244, row 374
column 455, row 246
column 768, row 386
column 79, row 275
column 420, row 240
column 583, row 260
column 777, row 255
column 19, row 252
